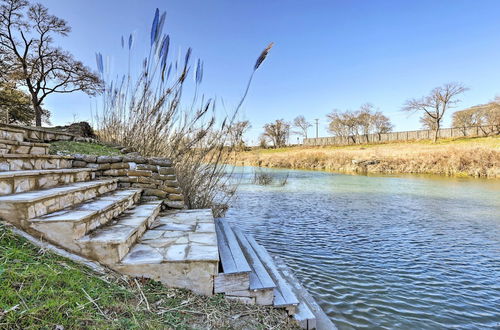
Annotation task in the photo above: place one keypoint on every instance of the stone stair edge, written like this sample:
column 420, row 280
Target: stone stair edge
column 47, row 218
column 24, row 143
column 29, row 156
column 22, row 129
column 124, row 215
column 21, row 173
column 58, row 192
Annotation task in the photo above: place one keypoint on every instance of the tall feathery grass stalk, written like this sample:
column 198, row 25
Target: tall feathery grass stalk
column 147, row 113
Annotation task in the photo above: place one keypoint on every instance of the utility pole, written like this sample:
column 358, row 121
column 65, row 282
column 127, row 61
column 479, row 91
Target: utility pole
column 316, row 128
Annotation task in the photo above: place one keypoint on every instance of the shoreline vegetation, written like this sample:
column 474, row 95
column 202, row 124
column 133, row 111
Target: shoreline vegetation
column 462, row 157
column 43, row 290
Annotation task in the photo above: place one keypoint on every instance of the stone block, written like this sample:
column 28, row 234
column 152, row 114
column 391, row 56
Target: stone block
column 175, row 197
column 166, row 170
column 119, row 166
column 109, row 159
column 138, row 173
column 147, row 167
column 160, row 161
column 79, row 163
column 155, row 192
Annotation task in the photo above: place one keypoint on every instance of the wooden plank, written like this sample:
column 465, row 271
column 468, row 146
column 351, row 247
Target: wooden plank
column 239, row 258
column 226, row 257
column 305, row 317
column 261, row 278
column 289, row 297
column 264, row 297
column 231, row 282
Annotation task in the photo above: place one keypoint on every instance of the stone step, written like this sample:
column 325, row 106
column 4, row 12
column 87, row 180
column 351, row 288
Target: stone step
column 284, row 295
column 39, row 134
column 23, row 181
column 23, row 148
column 9, row 162
column 109, row 244
column 18, row 208
column 66, row 226
column 180, row 250
column 235, row 275
column 11, row 134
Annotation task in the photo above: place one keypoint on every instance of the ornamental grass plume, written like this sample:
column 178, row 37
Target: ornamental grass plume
column 146, row 110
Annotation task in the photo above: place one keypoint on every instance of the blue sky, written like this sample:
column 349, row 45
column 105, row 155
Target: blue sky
column 328, row 54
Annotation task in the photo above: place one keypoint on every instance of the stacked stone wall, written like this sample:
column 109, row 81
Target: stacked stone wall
column 156, row 176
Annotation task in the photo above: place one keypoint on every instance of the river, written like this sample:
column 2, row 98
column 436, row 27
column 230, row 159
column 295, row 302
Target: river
column 383, row 252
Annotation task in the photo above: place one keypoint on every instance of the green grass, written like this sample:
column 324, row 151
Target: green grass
column 70, row 147
column 40, row 290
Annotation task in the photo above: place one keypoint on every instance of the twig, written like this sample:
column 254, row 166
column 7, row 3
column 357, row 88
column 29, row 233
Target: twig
column 95, row 304
column 142, row 294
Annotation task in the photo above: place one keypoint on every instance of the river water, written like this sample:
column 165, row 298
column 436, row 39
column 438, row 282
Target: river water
column 384, row 252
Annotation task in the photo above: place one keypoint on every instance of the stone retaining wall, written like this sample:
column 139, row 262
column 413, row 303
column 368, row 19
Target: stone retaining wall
column 155, row 176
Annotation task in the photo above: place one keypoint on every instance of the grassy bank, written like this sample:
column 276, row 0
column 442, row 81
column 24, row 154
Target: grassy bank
column 476, row 157
column 72, row 147
column 41, row 290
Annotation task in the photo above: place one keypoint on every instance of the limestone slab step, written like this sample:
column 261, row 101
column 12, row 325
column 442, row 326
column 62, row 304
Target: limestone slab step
column 23, row 181
column 13, row 162
column 66, row 226
column 43, row 134
column 18, row 208
column 12, row 134
column 109, row 244
column 180, row 250
column 23, row 148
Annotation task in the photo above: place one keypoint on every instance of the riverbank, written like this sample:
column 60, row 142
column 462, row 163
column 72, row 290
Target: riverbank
column 43, row 290
column 475, row 157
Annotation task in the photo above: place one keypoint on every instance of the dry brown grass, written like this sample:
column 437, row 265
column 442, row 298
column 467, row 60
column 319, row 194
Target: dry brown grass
column 477, row 157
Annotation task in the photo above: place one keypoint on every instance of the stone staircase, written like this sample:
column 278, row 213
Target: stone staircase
column 88, row 212
column 127, row 213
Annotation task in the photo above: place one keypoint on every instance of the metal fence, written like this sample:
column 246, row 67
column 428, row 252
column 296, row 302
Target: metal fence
column 404, row 136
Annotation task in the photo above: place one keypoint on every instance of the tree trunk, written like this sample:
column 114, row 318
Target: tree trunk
column 436, row 132
column 38, row 115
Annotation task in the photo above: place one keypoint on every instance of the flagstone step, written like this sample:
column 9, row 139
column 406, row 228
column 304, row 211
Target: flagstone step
column 12, row 134
column 68, row 225
column 14, row 162
column 180, row 250
column 23, row 181
column 109, row 244
column 23, row 148
column 284, row 296
column 18, row 208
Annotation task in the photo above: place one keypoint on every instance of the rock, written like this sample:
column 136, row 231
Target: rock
column 81, row 129
column 160, row 161
column 109, row 159
column 79, row 163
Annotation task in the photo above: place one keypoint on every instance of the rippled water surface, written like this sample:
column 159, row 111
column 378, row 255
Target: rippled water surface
column 384, row 252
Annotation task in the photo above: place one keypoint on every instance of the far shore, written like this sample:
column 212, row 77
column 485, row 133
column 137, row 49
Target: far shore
column 463, row 157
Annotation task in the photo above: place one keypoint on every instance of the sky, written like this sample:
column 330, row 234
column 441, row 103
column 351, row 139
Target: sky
column 327, row 55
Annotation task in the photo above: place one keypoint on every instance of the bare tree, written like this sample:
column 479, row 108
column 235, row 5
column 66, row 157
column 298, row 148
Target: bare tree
column 236, row 132
column 30, row 58
column 381, row 123
column 277, row 132
column 302, row 126
column 434, row 106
